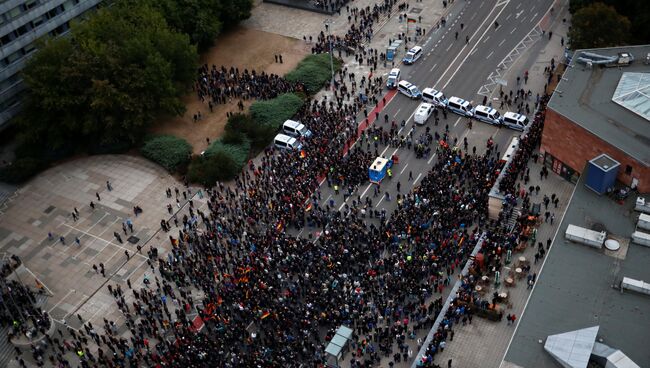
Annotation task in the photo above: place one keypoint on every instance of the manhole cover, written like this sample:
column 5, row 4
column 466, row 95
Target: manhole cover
column 596, row 226
column 133, row 239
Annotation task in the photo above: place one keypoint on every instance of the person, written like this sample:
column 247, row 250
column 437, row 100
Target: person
column 496, row 24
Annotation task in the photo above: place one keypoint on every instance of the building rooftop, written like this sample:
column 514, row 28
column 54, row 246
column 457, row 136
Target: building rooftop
column 612, row 108
column 575, row 291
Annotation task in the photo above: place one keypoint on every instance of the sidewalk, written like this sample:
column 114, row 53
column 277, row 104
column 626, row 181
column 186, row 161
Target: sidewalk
column 484, row 343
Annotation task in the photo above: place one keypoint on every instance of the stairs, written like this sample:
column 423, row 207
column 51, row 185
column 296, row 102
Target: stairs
column 512, row 220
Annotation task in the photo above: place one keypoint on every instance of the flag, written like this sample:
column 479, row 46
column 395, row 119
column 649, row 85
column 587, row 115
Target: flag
column 279, row 226
column 303, row 154
column 265, row 314
column 412, row 20
column 310, row 206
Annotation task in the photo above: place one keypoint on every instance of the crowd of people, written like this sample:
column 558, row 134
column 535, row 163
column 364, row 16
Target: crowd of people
column 222, row 85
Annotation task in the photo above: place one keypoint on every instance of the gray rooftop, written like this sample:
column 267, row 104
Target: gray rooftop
column 586, row 99
column 575, row 290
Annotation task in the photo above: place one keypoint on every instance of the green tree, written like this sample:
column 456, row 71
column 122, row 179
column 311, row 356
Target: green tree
column 638, row 12
column 109, row 80
column 598, row 25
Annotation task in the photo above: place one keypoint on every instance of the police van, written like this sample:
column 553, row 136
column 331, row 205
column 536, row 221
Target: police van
column 295, row 129
column 460, row 106
column 422, row 113
column 286, row 142
column 514, row 121
column 434, row 97
column 409, row 90
column 412, row 55
column 487, row 115
column 393, row 78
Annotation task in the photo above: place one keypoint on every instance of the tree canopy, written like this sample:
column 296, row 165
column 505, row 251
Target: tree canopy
column 109, row 79
column 598, row 25
column 203, row 20
column 637, row 12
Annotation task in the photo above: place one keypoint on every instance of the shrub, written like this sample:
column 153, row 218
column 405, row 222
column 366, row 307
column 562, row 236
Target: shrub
column 237, row 152
column 21, row 170
column 314, row 71
column 167, row 151
column 220, row 166
column 275, row 111
column 258, row 135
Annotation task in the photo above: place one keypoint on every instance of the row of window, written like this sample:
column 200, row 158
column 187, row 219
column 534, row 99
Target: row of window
column 18, row 11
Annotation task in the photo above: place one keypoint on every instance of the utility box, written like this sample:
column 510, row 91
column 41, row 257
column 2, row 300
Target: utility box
column 641, row 238
column 585, row 236
column 644, row 222
column 601, row 173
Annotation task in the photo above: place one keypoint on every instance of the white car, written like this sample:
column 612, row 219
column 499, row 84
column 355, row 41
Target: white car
column 423, row 112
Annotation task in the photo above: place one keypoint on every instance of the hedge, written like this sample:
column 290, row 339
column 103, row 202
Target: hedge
column 237, row 152
column 21, row 170
column 167, row 151
column 314, row 71
column 275, row 111
column 207, row 170
column 258, row 135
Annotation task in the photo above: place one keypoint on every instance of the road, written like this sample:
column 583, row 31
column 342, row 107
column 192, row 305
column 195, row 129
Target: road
column 458, row 68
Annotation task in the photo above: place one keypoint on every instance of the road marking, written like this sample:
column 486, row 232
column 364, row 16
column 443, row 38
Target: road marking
column 518, row 14
column 473, row 16
column 475, row 45
column 433, row 67
column 62, row 299
column 398, row 110
column 448, row 47
column 513, row 30
column 518, row 5
column 380, row 200
column 416, row 179
column 502, row 41
column 366, row 191
column 431, row 159
column 480, row 6
column 508, row 17
column 533, row 18
column 486, row 39
column 487, row 57
column 91, row 242
column 405, row 166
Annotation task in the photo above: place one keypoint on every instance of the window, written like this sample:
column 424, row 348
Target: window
column 30, row 4
column 628, row 170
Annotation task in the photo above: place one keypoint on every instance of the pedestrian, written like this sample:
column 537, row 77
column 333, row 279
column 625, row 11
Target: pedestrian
column 62, row 239
column 126, row 253
column 109, row 186
column 76, row 240
column 92, row 205
column 98, row 197
column 552, row 218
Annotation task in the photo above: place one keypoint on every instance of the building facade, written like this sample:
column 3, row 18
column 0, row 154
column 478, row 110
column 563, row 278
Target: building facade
column 22, row 23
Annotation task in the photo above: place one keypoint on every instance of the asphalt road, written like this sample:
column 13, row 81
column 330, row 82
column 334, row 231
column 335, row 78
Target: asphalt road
column 458, row 68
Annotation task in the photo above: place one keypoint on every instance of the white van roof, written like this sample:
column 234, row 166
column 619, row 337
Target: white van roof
column 285, row 138
column 292, row 124
column 405, row 84
column 415, row 49
column 394, row 71
column 514, row 116
column 423, row 108
column 458, row 100
column 485, row 109
column 432, row 92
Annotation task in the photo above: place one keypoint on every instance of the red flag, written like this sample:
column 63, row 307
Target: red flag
column 412, row 20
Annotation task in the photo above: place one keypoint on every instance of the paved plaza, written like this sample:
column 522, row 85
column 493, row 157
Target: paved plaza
column 45, row 205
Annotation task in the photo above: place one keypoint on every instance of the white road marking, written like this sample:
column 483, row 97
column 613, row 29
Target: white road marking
column 486, row 39
column 475, row 45
column 502, row 41
column 508, row 17
column 416, row 179
column 366, row 191
column 431, row 159
column 533, row 18
column 518, row 14
column 433, row 67
column 487, row 57
column 405, row 166
column 473, row 16
column 448, row 47
column 513, row 30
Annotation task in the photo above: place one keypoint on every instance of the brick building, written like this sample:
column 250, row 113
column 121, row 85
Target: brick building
column 597, row 109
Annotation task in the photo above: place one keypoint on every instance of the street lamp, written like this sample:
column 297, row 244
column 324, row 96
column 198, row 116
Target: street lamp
column 328, row 23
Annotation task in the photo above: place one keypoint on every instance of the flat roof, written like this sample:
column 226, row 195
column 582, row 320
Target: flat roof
column 586, row 99
column 574, row 290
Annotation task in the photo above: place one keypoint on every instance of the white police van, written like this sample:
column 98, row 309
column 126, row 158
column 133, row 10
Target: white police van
column 286, row 142
column 487, row 114
column 409, row 90
column 514, row 121
column 422, row 113
column 295, row 129
column 460, row 106
column 393, row 78
column 412, row 55
column 434, row 97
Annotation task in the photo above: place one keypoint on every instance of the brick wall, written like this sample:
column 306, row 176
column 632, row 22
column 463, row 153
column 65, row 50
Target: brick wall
column 574, row 146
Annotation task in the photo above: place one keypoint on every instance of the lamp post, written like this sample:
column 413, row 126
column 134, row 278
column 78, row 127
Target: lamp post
column 328, row 23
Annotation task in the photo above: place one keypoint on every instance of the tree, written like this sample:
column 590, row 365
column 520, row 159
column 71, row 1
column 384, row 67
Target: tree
column 598, row 25
column 109, row 80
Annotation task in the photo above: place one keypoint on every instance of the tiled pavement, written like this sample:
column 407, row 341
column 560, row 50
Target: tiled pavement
column 45, row 205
